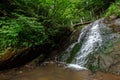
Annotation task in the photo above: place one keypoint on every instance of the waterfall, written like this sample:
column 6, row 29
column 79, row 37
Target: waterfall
column 91, row 38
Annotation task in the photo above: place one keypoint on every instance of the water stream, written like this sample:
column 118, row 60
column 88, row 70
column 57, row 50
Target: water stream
column 91, row 39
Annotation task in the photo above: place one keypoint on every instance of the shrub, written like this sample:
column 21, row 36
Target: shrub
column 21, row 32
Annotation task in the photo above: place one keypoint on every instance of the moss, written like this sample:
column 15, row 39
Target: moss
column 108, row 47
column 114, row 9
column 92, row 67
column 74, row 51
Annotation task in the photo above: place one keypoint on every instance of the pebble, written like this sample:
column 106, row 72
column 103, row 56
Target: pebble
column 20, row 72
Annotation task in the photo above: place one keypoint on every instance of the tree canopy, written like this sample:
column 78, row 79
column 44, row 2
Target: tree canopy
column 25, row 23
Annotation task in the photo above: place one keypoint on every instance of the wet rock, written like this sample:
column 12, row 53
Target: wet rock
column 113, row 22
column 107, row 62
column 113, row 16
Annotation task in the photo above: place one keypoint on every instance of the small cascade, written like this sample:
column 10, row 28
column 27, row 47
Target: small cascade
column 91, row 39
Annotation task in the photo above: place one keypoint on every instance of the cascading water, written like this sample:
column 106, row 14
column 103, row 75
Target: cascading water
column 91, row 38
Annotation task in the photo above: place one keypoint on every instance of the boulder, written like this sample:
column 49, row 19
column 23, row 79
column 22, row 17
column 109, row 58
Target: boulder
column 16, row 57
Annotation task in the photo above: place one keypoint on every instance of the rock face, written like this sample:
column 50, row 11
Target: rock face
column 111, row 61
column 113, row 22
column 108, row 59
column 115, row 57
column 14, row 58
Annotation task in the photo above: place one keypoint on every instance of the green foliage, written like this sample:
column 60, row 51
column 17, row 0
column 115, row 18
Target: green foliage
column 92, row 67
column 25, row 23
column 93, row 63
column 74, row 52
column 114, row 9
column 88, row 10
column 21, row 32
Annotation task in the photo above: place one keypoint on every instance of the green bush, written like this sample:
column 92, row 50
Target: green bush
column 25, row 23
column 21, row 32
column 114, row 9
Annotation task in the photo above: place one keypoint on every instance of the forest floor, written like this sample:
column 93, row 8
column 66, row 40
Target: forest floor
column 52, row 71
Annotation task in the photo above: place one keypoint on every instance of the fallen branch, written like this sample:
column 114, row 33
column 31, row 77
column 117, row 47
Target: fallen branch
column 79, row 24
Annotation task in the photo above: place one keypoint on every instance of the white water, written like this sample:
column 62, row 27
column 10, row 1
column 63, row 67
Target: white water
column 93, row 37
column 93, row 41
